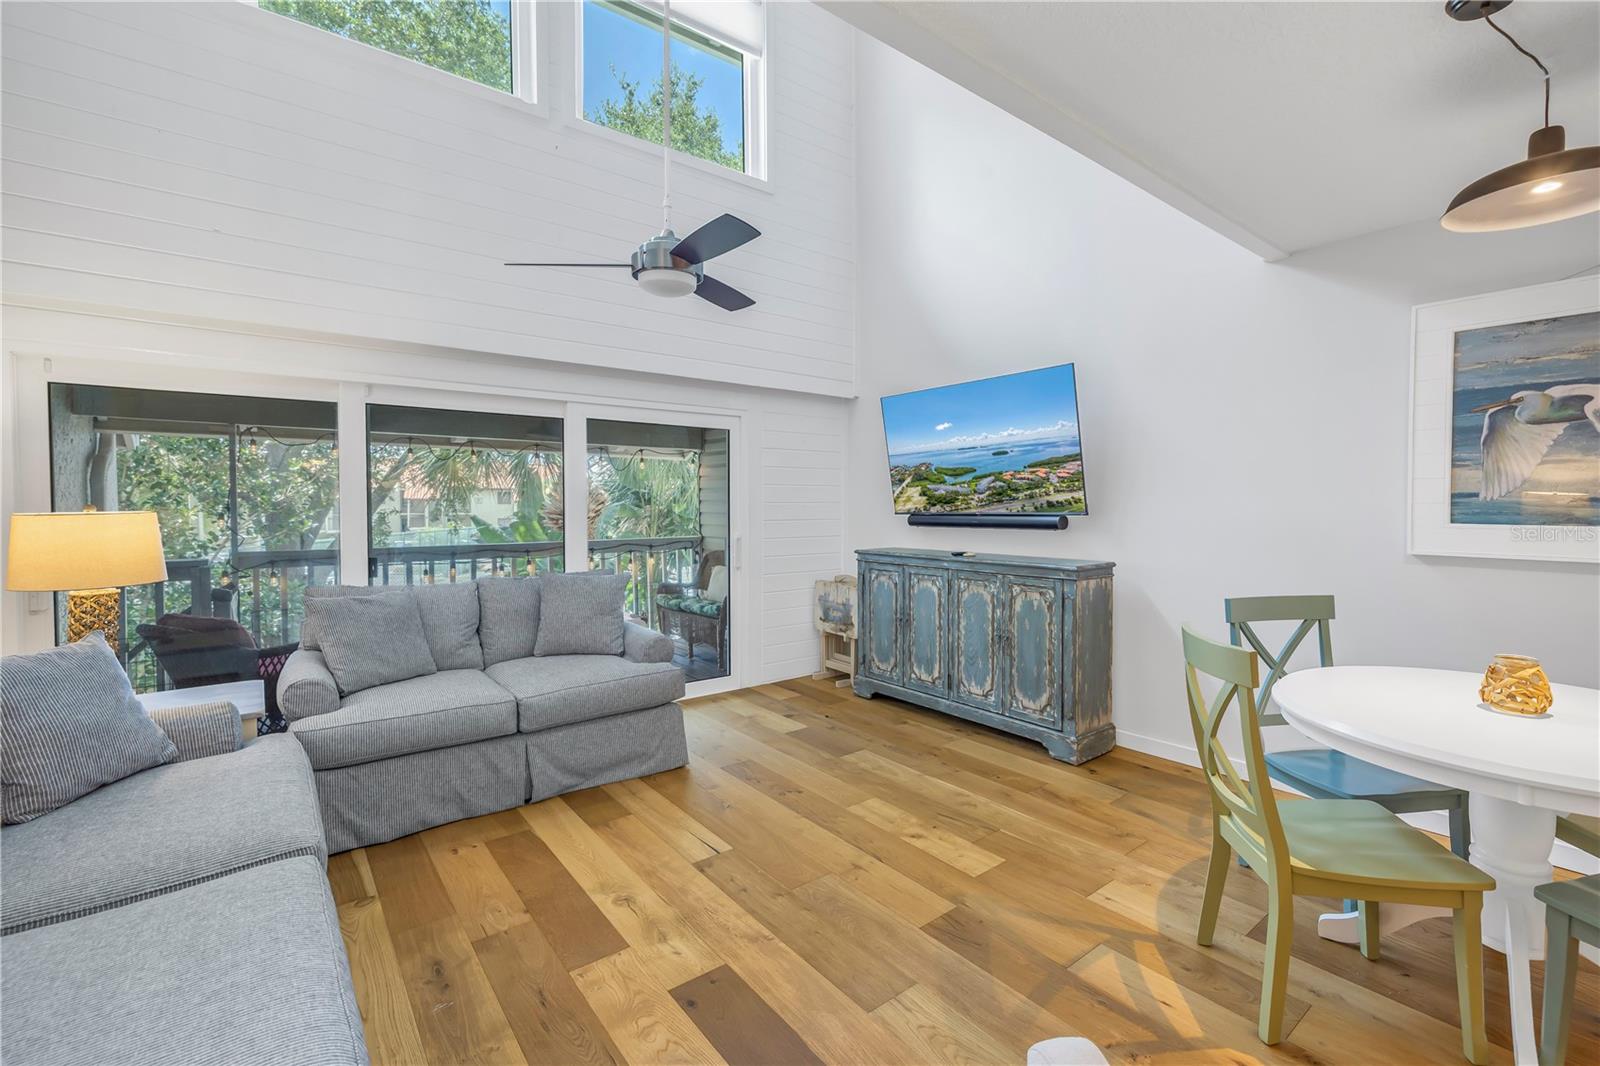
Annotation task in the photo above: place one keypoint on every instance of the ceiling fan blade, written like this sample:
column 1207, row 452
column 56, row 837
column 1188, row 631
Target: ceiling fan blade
column 722, row 234
column 724, row 296
column 625, row 266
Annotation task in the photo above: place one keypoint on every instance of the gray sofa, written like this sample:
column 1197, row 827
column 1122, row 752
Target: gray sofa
column 492, row 728
column 152, row 921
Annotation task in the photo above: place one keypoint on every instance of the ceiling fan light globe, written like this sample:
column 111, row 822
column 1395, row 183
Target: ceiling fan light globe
column 667, row 282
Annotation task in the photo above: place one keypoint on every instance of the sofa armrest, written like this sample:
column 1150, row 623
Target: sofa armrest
column 306, row 686
column 643, row 645
column 199, row 730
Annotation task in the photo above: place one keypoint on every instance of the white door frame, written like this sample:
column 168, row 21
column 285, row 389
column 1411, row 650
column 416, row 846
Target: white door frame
column 742, row 592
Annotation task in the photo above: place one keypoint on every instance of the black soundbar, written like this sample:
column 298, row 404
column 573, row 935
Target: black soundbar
column 993, row 521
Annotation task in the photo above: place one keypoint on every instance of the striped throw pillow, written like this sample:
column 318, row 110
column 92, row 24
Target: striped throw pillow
column 69, row 723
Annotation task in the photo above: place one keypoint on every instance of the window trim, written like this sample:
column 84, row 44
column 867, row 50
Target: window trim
column 755, row 117
column 525, row 65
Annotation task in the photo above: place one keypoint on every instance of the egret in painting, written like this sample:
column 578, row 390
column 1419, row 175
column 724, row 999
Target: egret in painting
column 1519, row 432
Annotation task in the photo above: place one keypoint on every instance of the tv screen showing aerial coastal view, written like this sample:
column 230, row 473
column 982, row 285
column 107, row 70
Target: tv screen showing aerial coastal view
column 1000, row 445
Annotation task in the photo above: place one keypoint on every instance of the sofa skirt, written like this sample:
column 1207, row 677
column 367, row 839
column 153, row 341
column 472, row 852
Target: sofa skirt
column 373, row 802
column 603, row 750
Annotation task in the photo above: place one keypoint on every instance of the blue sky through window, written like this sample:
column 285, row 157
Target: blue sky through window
column 611, row 39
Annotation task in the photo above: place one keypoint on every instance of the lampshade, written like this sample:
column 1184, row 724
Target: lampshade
column 69, row 550
column 1553, row 183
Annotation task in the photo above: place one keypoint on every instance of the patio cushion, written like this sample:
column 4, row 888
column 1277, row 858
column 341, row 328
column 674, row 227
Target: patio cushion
column 244, row 969
column 166, row 827
column 435, row 711
column 690, row 605
column 554, row 690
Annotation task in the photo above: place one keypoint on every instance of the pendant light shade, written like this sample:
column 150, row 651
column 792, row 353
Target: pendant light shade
column 1553, row 183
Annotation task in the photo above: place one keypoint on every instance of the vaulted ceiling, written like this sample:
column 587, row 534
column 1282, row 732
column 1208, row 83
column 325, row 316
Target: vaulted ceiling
column 1283, row 126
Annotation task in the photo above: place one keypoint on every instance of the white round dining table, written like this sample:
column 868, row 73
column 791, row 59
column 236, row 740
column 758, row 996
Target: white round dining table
column 1519, row 773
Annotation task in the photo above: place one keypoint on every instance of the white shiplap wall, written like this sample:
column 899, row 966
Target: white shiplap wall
column 218, row 161
column 208, row 185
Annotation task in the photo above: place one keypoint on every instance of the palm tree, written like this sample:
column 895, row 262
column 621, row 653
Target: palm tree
column 646, row 496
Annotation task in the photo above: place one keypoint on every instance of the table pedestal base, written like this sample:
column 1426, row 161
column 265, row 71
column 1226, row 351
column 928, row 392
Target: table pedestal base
column 1511, row 843
column 1344, row 927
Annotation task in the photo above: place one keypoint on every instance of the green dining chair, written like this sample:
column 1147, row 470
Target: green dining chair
column 1321, row 772
column 1571, row 914
column 1353, row 849
column 1582, row 831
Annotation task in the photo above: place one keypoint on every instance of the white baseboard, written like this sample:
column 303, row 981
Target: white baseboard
column 1563, row 854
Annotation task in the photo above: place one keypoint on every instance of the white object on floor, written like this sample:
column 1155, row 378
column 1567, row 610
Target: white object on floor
column 1065, row 1051
column 1519, row 773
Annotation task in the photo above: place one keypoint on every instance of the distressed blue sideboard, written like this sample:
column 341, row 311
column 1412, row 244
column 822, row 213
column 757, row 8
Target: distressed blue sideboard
column 1017, row 642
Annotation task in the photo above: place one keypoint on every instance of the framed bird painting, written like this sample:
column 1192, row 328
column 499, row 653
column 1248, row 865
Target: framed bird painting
column 1505, row 424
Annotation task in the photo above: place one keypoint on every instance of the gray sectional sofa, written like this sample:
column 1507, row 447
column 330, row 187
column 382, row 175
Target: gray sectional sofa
column 485, row 724
column 153, row 920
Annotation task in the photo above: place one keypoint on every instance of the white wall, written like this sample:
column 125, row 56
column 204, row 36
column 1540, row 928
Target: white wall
column 1244, row 423
column 215, row 160
column 210, row 193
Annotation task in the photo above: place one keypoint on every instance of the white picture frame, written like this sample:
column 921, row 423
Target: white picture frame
column 1434, row 327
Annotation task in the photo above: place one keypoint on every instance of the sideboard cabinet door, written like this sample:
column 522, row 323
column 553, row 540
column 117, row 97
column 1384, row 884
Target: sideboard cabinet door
column 975, row 640
column 881, row 599
column 927, row 601
column 1032, row 650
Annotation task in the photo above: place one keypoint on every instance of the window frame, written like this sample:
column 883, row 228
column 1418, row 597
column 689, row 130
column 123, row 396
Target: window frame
column 754, row 103
column 525, row 58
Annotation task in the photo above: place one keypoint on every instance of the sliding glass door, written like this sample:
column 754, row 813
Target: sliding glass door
column 659, row 511
column 454, row 495
column 246, row 491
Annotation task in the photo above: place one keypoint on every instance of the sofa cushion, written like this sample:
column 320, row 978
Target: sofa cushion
column 581, row 614
column 508, row 617
column 437, row 711
column 554, row 690
column 248, row 968
column 371, row 640
column 449, row 619
column 450, row 622
column 69, row 723
column 167, row 827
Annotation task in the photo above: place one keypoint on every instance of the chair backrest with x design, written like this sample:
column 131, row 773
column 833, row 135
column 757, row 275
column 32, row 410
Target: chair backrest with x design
column 1248, row 803
column 1310, row 612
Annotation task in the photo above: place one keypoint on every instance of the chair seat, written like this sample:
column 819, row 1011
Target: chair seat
column 690, row 605
column 1582, row 831
column 1360, row 843
column 1329, row 774
column 1578, row 898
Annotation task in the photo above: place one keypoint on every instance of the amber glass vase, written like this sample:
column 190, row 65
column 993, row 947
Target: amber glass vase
column 1516, row 684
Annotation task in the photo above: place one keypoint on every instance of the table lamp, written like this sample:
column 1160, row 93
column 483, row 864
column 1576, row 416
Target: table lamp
column 89, row 555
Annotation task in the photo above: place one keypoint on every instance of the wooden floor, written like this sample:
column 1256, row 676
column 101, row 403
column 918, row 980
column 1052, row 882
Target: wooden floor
column 838, row 880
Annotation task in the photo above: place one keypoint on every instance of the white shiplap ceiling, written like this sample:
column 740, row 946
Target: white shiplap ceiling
column 1283, row 126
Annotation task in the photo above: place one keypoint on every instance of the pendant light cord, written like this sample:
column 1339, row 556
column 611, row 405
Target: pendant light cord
column 666, row 115
column 1530, row 55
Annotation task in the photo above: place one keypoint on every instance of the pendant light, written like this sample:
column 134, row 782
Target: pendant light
column 1553, row 183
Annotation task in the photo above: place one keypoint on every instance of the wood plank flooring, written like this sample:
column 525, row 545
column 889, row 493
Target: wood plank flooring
column 848, row 881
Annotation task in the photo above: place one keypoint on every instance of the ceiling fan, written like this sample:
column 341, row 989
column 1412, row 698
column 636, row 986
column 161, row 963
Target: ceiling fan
column 666, row 264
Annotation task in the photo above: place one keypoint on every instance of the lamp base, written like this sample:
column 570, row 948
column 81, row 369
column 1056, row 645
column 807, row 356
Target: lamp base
column 92, row 609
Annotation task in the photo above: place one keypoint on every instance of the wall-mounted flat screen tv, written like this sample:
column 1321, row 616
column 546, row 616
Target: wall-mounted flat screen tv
column 1002, row 445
